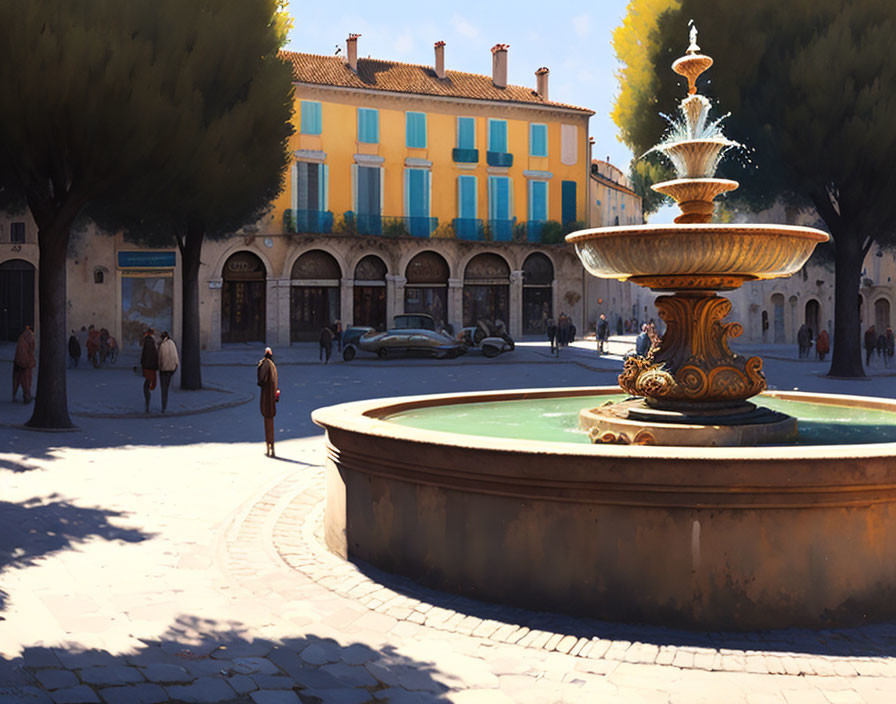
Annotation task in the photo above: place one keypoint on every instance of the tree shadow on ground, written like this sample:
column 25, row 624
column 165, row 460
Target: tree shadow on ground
column 205, row 660
column 40, row 526
column 869, row 640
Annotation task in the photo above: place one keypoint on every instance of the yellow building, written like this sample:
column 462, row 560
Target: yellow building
column 413, row 154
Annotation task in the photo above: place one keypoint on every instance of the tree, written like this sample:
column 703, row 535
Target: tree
column 87, row 110
column 811, row 86
column 227, row 164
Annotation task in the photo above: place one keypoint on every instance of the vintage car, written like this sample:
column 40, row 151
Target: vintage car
column 492, row 338
column 413, row 333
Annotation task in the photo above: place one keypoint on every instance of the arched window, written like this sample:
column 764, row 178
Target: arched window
column 314, row 300
column 538, row 293
column 486, row 289
column 369, row 296
column 243, row 299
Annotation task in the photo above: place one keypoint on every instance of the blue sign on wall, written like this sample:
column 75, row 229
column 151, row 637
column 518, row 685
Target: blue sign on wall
column 143, row 259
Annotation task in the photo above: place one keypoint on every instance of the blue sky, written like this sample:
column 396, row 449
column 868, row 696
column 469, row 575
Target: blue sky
column 571, row 38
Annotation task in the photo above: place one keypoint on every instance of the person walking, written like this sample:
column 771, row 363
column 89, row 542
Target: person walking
column 74, row 350
column 603, row 334
column 337, row 335
column 882, row 348
column 642, row 342
column 93, row 346
column 168, row 361
column 23, row 365
column 802, row 341
column 891, row 345
column 563, row 330
column 870, row 344
column 822, row 344
column 82, row 339
column 550, row 328
column 149, row 362
column 326, row 344
column 270, row 396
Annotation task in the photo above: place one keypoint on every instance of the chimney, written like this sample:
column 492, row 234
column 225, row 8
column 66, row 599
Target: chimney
column 351, row 51
column 541, row 82
column 499, row 65
column 440, row 59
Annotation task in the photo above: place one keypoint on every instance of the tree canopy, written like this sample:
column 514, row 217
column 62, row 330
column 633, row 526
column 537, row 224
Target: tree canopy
column 811, row 88
column 228, row 162
column 103, row 105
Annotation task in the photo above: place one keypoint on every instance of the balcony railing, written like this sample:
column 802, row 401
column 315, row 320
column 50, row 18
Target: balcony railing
column 387, row 225
column 500, row 230
column 465, row 156
column 499, row 158
column 313, row 221
column 468, row 229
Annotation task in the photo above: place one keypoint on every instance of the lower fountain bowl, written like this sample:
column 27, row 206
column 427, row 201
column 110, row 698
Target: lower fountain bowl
column 701, row 537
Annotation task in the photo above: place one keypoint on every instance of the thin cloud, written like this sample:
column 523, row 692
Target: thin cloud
column 581, row 24
column 464, row 28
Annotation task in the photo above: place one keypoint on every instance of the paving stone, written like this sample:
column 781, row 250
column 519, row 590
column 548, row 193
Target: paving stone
column 844, row 696
column 111, row 675
column 351, row 675
column 23, row 695
column 254, row 649
column 163, row 672
column 251, row 666
column 343, row 695
column 479, row 696
column 275, row 696
column 398, row 695
column 204, row 690
column 56, row 679
column 316, row 654
column 273, row 681
column 144, row 693
column 358, row 654
column 242, row 684
column 82, row 694
column 37, row 657
column 74, row 660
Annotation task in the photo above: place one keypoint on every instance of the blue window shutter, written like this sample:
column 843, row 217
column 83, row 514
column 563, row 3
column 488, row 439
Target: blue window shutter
column 538, row 200
column 311, row 117
column 466, row 133
column 538, row 140
column 419, row 198
column 497, row 135
column 415, row 130
column 325, row 186
column 492, row 197
column 368, row 126
column 502, row 201
column 467, row 202
column 568, row 202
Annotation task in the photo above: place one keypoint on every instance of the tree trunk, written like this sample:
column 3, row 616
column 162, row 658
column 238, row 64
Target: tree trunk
column 846, row 360
column 51, row 399
column 191, row 363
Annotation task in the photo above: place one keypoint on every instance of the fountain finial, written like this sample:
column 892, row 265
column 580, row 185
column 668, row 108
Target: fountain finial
column 692, row 34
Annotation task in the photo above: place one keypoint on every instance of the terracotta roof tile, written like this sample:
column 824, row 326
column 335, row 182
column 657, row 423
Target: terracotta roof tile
column 395, row 77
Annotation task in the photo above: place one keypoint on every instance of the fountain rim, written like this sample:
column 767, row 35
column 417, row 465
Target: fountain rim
column 368, row 417
column 708, row 228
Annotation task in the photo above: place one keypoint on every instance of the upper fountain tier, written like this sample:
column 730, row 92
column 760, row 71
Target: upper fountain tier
column 694, row 146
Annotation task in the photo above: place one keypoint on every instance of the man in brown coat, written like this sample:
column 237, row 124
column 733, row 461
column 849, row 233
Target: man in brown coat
column 270, row 395
column 23, row 365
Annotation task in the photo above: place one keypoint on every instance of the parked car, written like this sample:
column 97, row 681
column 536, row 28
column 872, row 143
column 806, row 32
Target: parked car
column 413, row 333
column 492, row 338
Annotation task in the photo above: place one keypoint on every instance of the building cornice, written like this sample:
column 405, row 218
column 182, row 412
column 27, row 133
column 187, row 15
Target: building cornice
column 448, row 99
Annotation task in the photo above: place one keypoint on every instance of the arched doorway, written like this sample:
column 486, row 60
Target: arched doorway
column 486, row 289
column 778, row 313
column 16, row 298
column 538, row 277
column 314, row 295
column 813, row 317
column 881, row 315
column 370, row 293
column 426, row 290
column 243, row 299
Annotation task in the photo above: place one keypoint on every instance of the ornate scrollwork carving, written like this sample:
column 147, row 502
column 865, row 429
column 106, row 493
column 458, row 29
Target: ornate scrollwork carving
column 693, row 361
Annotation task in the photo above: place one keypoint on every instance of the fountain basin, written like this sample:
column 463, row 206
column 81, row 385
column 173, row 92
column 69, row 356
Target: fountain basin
column 705, row 256
column 708, row 538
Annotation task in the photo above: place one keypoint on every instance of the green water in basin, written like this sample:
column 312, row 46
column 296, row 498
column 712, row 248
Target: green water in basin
column 557, row 420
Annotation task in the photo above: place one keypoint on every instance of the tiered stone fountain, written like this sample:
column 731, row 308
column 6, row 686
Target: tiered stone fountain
column 692, row 389
column 502, row 495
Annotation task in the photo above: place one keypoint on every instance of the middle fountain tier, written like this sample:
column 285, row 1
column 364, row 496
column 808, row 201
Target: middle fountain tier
column 691, row 389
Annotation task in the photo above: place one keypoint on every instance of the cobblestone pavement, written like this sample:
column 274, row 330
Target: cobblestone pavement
column 151, row 560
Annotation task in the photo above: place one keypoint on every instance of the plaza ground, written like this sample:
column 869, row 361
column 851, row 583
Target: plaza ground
column 164, row 558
